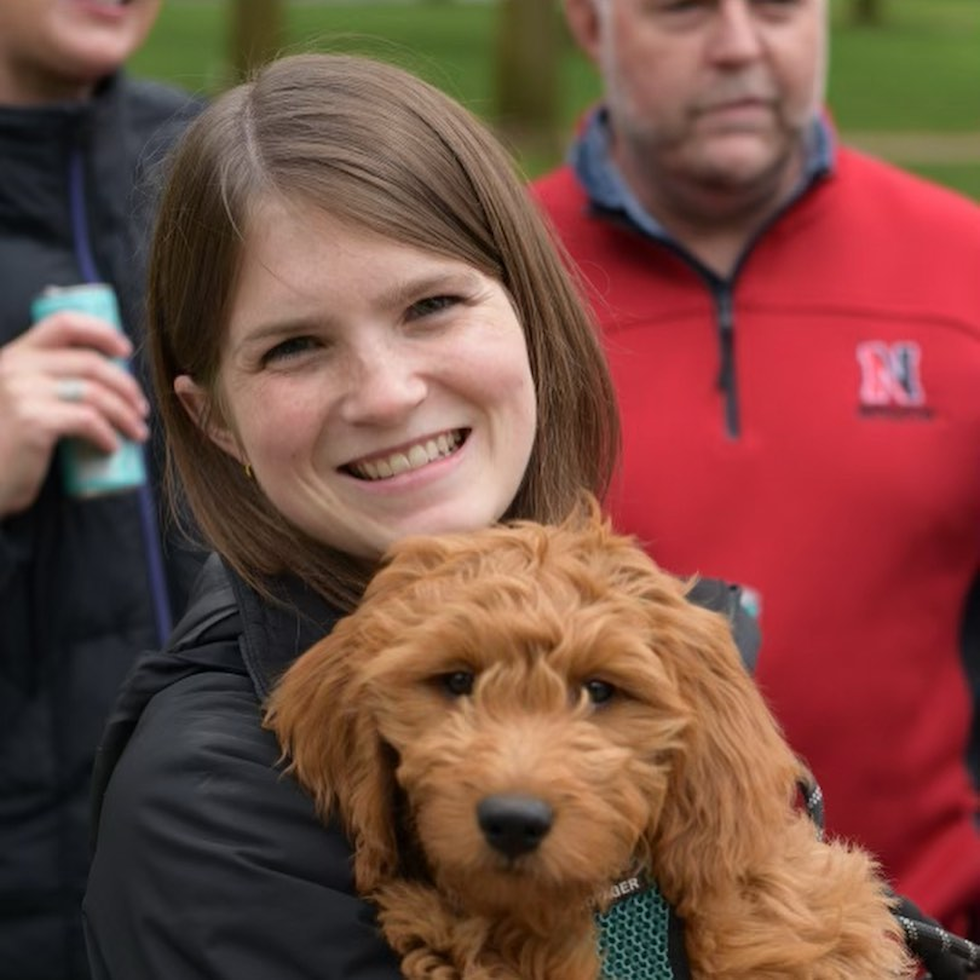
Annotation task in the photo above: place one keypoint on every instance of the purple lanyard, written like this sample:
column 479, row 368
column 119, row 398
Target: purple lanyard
column 147, row 505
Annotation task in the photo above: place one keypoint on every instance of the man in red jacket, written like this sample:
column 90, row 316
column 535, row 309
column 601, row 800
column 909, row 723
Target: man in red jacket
column 794, row 330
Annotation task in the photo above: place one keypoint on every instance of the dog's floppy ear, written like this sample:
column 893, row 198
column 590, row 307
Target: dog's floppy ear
column 322, row 713
column 322, row 717
column 734, row 780
column 733, row 777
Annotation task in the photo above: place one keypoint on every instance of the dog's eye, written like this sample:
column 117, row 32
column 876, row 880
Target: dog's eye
column 459, row 683
column 599, row 692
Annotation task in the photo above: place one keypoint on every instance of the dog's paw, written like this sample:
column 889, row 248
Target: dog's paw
column 424, row 964
column 420, row 927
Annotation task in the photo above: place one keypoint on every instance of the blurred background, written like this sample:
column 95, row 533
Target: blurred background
column 904, row 74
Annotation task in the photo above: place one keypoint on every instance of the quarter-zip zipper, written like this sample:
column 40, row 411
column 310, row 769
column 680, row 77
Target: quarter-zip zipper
column 722, row 290
column 727, row 381
column 722, row 297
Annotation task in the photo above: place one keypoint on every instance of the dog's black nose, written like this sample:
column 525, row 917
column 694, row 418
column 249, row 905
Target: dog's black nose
column 514, row 825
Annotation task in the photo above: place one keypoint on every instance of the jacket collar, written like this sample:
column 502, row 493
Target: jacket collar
column 58, row 121
column 591, row 160
column 37, row 147
column 275, row 634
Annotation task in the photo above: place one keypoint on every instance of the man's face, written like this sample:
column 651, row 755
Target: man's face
column 56, row 50
column 716, row 92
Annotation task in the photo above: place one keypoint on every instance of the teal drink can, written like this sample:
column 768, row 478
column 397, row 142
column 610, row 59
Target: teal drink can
column 86, row 471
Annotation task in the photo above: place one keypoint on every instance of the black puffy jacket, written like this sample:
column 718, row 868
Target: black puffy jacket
column 76, row 602
column 210, row 864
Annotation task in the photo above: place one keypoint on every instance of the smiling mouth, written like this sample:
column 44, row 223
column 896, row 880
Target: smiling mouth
column 411, row 458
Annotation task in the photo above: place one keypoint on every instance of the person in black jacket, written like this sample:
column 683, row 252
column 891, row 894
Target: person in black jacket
column 359, row 329
column 84, row 583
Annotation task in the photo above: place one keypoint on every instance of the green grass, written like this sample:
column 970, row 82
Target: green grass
column 961, row 177
column 444, row 43
column 920, row 71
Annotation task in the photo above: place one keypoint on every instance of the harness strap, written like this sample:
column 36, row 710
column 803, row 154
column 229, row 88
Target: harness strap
column 639, row 935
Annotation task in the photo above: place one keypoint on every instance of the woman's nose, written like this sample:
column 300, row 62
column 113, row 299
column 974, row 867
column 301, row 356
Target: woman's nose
column 382, row 387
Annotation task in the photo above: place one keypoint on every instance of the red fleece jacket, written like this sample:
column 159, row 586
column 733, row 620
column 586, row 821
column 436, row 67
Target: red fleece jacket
column 848, row 497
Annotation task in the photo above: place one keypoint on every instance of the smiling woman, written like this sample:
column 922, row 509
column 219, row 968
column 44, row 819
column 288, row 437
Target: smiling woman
column 360, row 330
column 372, row 278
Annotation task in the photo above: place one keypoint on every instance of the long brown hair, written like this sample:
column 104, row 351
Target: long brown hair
column 374, row 145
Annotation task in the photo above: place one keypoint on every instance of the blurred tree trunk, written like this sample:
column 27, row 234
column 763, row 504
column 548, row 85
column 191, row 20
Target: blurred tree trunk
column 868, row 11
column 257, row 34
column 526, row 63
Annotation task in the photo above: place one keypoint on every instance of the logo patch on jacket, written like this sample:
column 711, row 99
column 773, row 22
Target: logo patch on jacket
column 891, row 379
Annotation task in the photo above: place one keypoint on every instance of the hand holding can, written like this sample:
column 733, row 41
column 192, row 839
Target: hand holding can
column 87, row 470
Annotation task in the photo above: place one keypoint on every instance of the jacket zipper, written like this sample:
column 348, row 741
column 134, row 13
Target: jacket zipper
column 727, row 383
column 722, row 293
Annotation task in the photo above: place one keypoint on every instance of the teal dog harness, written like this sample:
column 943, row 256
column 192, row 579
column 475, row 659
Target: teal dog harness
column 639, row 936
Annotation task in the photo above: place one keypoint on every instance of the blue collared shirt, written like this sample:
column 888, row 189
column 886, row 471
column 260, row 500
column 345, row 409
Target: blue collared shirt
column 607, row 190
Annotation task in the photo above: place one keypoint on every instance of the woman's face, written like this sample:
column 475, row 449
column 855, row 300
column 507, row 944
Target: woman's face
column 375, row 390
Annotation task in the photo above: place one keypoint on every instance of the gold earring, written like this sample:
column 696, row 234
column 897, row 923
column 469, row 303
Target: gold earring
column 248, row 471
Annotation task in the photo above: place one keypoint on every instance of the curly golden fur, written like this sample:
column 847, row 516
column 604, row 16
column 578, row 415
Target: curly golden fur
column 561, row 666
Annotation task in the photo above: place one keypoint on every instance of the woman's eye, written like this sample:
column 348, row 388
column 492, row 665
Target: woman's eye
column 599, row 692
column 431, row 305
column 458, row 683
column 292, row 347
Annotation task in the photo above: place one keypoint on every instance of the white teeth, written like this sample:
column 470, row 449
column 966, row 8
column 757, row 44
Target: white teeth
column 399, row 463
column 417, row 456
column 412, row 459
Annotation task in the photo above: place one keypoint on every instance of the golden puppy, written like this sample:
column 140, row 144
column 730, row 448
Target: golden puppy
column 515, row 719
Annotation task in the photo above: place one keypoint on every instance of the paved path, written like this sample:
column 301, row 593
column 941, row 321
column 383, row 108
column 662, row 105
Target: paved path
column 919, row 147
